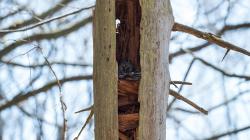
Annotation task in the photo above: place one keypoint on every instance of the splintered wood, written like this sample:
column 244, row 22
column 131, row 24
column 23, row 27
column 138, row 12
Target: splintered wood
column 128, row 16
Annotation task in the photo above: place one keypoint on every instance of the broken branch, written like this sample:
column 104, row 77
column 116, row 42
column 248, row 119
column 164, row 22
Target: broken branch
column 180, row 97
column 209, row 37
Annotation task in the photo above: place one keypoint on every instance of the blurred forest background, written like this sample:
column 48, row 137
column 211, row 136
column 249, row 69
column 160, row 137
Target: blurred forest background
column 33, row 59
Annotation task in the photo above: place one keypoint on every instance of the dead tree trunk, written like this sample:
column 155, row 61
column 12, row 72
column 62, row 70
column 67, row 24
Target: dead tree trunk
column 156, row 24
column 105, row 71
column 141, row 51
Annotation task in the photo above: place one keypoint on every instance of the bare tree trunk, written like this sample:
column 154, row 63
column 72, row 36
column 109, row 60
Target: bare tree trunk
column 156, row 24
column 105, row 72
column 156, row 21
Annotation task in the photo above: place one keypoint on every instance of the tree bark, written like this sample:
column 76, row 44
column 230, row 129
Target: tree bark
column 156, row 24
column 105, row 72
column 156, row 21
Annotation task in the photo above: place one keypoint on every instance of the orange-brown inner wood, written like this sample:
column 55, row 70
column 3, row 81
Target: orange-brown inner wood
column 128, row 13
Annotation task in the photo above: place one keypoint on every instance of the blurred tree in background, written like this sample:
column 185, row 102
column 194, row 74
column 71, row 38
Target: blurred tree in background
column 44, row 41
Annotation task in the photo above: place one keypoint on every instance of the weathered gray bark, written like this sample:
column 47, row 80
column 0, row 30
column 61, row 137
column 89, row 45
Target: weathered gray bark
column 105, row 72
column 156, row 24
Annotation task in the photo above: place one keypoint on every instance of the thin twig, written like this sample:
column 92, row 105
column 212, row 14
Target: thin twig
column 226, row 53
column 15, row 64
column 85, row 124
column 41, row 36
column 181, row 82
column 36, row 117
column 216, row 68
column 85, row 109
column 46, row 21
column 228, row 133
column 43, row 15
column 34, row 48
column 184, row 79
column 222, row 71
column 63, row 105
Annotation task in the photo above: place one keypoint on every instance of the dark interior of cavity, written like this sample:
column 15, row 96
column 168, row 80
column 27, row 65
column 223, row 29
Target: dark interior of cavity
column 128, row 16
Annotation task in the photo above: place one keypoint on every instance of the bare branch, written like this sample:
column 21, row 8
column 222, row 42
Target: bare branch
column 180, row 97
column 228, row 133
column 221, row 70
column 44, row 21
column 184, row 79
column 181, row 82
column 216, row 68
column 12, row 13
column 216, row 106
column 228, row 101
column 209, row 37
column 36, row 117
column 22, row 97
column 44, row 64
column 226, row 28
column 42, row 36
column 63, row 105
column 234, row 27
column 192, row 49
column 49, row 12
column 85, row 109
column 85, row 124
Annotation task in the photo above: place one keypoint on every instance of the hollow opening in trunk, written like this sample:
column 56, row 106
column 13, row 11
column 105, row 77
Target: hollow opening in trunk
column 128, row 17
